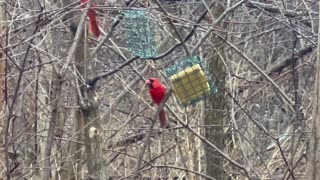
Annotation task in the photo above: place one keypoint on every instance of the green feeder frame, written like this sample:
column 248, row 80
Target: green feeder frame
column 139, row 32
column 191, row 80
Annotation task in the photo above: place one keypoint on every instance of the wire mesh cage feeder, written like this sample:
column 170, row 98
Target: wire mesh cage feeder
column 191, row 81
column 139, row 32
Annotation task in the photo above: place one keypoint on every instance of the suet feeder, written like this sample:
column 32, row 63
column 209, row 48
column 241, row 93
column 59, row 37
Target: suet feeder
column 139, row 33
column 191, row 81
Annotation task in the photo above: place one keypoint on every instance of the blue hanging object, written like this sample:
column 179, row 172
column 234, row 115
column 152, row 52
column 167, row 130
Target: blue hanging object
column 139, row 32
column 190, row 80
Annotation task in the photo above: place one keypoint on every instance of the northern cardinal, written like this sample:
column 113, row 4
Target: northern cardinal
column 93, row 22
column 157, row 92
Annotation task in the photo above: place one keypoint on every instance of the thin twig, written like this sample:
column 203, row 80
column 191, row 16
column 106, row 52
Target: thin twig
column 173, row 27
column 75, row 43
column 147, row 139
column 250, row 61
column 206, row 141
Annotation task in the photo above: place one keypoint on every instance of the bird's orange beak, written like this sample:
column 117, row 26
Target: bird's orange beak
column 148, row 81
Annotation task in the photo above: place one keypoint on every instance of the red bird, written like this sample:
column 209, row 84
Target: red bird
column 93, row 22
column 157, row 92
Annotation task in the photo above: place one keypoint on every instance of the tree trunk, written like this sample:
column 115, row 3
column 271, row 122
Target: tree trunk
column 2, row 70
column 89, row 113
column 215, row 115
column 313, row 172
column 55, row 100
column 215, row 108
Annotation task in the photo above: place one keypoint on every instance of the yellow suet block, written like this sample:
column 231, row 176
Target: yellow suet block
column 190, row 84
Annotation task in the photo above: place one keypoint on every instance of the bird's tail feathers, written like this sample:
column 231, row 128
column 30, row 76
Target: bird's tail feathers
column 163, row 119
column 93, row 23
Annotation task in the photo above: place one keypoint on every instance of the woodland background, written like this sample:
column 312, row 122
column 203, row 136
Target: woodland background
column 76, row 107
